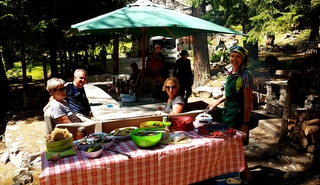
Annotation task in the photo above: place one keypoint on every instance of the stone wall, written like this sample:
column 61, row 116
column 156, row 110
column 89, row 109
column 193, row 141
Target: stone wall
column 275, row 97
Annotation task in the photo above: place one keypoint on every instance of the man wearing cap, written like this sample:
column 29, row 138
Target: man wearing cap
column 182, row 71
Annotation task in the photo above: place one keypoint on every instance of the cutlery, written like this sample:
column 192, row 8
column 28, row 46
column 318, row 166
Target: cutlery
column 115, row 151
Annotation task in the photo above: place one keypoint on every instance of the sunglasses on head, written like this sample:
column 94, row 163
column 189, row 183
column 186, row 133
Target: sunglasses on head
column 61, row 89
column 171, row 87
column 237, row 48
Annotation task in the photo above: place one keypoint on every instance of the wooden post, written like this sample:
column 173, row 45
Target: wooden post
column 286, row 113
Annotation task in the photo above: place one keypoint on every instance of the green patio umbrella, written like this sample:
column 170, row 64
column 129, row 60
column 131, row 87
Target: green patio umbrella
column 155, row 19
column 146, row 18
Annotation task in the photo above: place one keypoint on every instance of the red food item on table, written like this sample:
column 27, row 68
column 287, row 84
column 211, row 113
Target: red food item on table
column 216, row 130
column 183, row 123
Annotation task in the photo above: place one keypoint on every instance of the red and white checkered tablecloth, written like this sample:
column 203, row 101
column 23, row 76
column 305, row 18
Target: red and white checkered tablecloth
column 201, row 159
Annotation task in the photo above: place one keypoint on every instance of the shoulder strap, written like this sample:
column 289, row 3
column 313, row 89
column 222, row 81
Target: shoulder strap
column 239, row 82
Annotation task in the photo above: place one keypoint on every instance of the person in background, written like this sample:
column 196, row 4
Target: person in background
column 158, row 53
column 149, row 79
column 175, row 102
column 237, row 98
column 135, row 73
column 60, row 109
column 158, row 92
column 182, row 71
column 76, row 95
column 103, row 59
column 154, row 64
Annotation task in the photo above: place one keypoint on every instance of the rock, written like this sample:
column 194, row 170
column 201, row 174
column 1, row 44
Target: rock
column 217, row 92
column 21, row 147
column 21, row 159
column 24, row 177
column 203, row 91
column 5, row 158
column 20, row 122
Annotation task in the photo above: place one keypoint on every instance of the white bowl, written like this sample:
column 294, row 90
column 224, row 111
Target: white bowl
column 82, row 146
column 108, row 144
column 92, row 154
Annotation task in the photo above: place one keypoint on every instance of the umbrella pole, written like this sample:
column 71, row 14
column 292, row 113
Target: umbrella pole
column 143, row 53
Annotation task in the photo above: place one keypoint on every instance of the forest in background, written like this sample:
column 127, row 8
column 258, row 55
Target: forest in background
column 32, row 30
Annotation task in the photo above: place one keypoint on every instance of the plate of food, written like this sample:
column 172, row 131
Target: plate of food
column 83, row 143
column 97, row 135
column 215, row 130
column 154, row 124
column 122, row 133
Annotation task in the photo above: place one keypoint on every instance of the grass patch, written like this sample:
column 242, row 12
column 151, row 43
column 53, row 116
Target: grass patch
column 36, row 71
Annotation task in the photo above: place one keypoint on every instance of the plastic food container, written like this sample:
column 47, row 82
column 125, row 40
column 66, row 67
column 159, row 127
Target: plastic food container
column 146, row 140
column 202, row 119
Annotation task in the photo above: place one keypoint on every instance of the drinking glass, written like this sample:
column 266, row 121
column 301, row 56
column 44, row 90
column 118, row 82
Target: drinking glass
column 120, row 103
column 55, row 156
column 160, row 107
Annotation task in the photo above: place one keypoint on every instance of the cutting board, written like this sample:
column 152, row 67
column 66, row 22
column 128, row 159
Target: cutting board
column 185, row 140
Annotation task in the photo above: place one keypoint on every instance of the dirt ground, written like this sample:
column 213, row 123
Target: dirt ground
column 270, row 163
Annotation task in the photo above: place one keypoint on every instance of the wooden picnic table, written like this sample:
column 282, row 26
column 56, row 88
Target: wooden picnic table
column 104, row 107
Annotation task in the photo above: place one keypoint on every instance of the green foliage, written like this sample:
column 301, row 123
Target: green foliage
column 35, row 71
column 14, row 73
column 217, row 56
column 253, row 36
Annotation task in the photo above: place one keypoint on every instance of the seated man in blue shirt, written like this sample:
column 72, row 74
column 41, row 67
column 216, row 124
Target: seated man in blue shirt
column 76, row 96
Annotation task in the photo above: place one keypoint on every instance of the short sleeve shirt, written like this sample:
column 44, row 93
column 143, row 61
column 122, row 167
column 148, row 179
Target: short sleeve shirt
column 77, row 99
column 177, row 100
column 61, row 109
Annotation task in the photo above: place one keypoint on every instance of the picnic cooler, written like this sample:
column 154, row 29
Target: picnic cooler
column 229, row 178
column 182, row 123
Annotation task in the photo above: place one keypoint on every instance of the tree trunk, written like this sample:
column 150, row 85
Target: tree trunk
column 4, row 92
column 61, row 58
column 24, row 77
column 115, row 55
column 71, row 67
column 253, row 50
column 201, row 55
column 53, row 61
column 8, row 58
column 201, row 60
column 314, row 25
column 65, row 59
column 45, row 72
